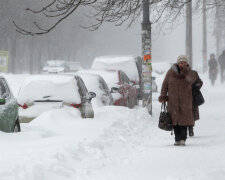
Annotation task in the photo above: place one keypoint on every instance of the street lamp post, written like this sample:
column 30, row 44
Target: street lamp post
column 189, row 31
column 204, row 50
column 147, row 59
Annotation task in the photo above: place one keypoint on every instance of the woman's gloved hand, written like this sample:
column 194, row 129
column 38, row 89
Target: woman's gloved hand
column 163, row 99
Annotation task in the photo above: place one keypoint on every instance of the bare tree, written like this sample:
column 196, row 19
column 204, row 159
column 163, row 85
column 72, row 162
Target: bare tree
column 116, row 11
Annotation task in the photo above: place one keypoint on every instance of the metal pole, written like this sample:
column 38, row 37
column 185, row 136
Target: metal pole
column 189, row 31
column 31, row 55
column 147, row 59
column 204, row 50
column 218, row 30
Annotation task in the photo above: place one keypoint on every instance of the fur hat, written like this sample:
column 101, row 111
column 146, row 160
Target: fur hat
column 182, row 58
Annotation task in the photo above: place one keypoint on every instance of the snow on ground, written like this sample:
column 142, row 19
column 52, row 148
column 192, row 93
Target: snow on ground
column 118, row 144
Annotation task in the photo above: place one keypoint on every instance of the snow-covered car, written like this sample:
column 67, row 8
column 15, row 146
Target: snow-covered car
column 97, row 84
column 9, row 119
column 161, row 67
column 131, row 65
column 124, row 93
column 40, row 93
column 55, row 66
column 73, row 66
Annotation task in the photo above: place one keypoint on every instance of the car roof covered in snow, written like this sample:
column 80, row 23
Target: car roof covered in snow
column 55, row 63
column 52, row 87
column 125, row 63
column 110, row 76
column 161, row 67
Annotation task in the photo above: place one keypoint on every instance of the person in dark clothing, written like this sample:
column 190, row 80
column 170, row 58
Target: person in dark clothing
column 222, row 65
column 177, row 90
column 213, row 68
column 197, row 84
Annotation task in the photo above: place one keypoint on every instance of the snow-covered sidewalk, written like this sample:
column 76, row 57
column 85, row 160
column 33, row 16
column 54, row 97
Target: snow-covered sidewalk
column 118, row 144
column 202, row 158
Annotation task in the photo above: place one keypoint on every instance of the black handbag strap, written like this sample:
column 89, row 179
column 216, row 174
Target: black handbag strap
column 164, row 107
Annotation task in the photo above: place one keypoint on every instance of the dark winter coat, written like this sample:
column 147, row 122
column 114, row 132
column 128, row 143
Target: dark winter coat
column 212, row 64
column 177, row 85
column 197, row 84
column 213, row 70
column 221, row 60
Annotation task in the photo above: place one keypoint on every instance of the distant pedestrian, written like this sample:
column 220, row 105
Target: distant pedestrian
column 177, row 90
column 222, row 65
column 196, row 85
column 213, row 68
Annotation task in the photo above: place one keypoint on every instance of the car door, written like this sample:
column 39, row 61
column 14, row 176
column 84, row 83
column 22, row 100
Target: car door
column 86, row 106
column 125, row 88
column 106, row 96
column 130, row 91
column 8, row 111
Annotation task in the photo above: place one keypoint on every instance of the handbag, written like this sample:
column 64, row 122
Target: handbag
column 198, row 98
column 165, row 120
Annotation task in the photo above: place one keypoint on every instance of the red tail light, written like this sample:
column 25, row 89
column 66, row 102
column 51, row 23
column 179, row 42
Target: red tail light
column 76, row 105
column 23, row 106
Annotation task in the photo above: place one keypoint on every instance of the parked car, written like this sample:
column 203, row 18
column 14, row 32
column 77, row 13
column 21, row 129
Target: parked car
column 9, row 119
column 73, row 66
column 97, row 84
column 131, row 65
column 40, row 93
column 124, row 93
column 55, row 66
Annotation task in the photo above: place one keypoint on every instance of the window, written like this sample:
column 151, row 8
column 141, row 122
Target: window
column 124, row 78
column 103, row 84
column 4, row 90
column 82, row 88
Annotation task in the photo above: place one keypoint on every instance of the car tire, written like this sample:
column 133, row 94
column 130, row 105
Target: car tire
column 16, row 127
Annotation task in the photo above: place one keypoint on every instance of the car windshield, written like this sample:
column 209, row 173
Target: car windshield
column 110, row 77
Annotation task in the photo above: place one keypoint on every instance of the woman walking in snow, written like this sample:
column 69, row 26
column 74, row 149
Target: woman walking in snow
column 213, row 68
column 177, row 90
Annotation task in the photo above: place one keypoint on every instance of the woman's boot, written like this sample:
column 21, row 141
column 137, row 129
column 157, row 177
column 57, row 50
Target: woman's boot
column 191, row 131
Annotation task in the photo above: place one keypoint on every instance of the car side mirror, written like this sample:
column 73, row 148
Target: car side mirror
column 2, row 101
column 91, row 95
column 114, row 90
